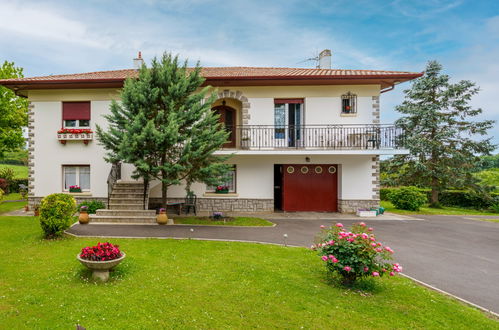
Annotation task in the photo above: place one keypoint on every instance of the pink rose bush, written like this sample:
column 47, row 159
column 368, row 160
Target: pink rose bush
column 101, row 252
column 354, row 254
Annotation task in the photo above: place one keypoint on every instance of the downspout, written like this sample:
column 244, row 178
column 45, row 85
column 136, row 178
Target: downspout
column 392, row 87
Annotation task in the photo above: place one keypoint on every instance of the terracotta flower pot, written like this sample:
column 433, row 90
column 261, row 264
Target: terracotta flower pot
column 100, row 269
column 83, row 218
column 162, row 218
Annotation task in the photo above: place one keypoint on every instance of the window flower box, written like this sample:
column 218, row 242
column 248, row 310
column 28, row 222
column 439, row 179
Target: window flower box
column 75, row 134
column 74, row 189
column 222, row 190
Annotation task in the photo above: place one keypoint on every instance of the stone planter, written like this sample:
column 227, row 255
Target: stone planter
column 162, row 218
column 100, row 269
column 83, row 218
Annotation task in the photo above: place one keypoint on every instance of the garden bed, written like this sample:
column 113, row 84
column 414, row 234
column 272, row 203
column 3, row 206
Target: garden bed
column 226, row 221
column 203, row 284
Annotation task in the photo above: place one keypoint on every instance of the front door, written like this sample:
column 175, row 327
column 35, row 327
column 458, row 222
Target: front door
column 228, row 119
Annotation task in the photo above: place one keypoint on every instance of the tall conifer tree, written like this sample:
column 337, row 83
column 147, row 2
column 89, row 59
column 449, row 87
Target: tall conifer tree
column 165, row 127
column 439, row 132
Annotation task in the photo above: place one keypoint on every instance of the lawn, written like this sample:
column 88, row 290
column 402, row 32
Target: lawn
column 445, row 210
column 200, row 284
column 6, row 206
column 236, row 221
column 20, row 171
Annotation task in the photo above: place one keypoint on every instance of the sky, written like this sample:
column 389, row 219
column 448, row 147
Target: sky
column 57, row 37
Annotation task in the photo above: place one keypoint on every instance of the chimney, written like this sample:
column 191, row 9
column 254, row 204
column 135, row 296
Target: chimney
column 325, row 59
column 138, row 62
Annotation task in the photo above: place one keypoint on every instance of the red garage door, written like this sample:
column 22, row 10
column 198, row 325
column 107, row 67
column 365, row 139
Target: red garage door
column 310, row 188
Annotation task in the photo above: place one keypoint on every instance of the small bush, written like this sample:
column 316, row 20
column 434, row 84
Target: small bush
column 1, row 194
column 7, row 173
column 408, row 198
column 14, row 184
column 92, row 206
column 4, row 185
column 354, row 254
column 495, row 208
column 56, row 214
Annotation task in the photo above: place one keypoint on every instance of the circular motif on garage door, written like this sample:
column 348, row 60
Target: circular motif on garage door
column 304, row 169
column 331, row 169
column 290, row 169
column 318, row 169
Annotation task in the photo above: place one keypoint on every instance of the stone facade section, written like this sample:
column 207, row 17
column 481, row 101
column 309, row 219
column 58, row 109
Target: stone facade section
column 34, row 201
column 224, row 204
column 31, row 153
column 238, row 95
column 375, row 113
column 352, row 205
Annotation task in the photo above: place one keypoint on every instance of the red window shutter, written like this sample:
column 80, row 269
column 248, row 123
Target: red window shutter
column 76, row 110
column 287, row 101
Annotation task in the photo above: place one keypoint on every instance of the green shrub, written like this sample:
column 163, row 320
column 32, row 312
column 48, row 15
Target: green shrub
column 465, row 198
column 56, row 214
column 495, row 208
column 92, row 206
column 14, row 184
column 1, row 194
column 408, row 198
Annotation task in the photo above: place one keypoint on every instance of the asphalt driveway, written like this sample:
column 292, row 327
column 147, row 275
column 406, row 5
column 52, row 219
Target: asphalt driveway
column 453, row 253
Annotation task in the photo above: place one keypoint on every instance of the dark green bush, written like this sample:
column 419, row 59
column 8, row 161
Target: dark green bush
column 56, row 214
column 14, row 184
column 92, row 206
column 407, row 198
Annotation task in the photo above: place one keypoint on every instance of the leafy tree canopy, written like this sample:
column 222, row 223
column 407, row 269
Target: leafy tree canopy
column 13, row 112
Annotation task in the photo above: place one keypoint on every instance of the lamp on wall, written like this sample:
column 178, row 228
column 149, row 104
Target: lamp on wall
column 307, row 159
column 223, row 102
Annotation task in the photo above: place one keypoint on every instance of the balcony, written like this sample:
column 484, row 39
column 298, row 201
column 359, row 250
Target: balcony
column 319, row 137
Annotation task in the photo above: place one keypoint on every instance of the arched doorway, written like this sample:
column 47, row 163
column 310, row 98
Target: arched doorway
column 228, row 119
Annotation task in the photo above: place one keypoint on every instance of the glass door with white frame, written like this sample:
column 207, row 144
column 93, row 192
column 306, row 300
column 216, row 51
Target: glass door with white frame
column 288, row 118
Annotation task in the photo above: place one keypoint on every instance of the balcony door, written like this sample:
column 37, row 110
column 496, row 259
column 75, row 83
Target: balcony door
column 228, row 119
column 288, row 118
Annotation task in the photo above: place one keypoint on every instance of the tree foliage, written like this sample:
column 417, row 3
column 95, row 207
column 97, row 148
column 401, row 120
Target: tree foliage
column 165, row 127
column 444, row 142
column 13, row 112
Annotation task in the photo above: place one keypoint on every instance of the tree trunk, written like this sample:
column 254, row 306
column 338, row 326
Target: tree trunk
column 434, row 192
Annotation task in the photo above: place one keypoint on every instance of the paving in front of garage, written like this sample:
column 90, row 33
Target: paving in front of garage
column 453, row 253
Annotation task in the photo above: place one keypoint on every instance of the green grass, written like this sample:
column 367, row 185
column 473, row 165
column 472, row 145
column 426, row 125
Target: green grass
column 236, row 221
column 20, row 171
column 200, row 284
column 445, row 210
column 11, row 206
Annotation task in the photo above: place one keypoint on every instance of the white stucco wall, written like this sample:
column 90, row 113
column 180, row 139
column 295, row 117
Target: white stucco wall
column 255, row 176
column 254, row 173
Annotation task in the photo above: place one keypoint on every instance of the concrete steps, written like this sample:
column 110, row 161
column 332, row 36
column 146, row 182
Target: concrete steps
column 126, row 205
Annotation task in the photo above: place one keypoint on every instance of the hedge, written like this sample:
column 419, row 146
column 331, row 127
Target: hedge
column 463, row 198
column 14, row 184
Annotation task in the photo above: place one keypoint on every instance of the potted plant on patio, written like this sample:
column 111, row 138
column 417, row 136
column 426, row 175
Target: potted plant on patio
column 162, row 217
column 83, row 218
column 101, row 259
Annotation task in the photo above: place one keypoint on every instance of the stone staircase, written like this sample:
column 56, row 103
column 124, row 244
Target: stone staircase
column 126, row 205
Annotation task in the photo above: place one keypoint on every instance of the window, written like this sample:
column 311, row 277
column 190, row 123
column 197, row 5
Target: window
column 76, row 114
column 76, row 176
column 348, row 103
column 229, row 181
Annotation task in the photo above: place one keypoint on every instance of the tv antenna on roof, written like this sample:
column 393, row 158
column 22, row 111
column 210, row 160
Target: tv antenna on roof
column 314, row 59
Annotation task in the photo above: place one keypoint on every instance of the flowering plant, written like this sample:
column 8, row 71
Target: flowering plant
column 354, row 254
column 101, row 252
column 218, row 215
column 74, row 188
column 222, row 189
column 84, row 208
column 162, row 210
column 74, row 131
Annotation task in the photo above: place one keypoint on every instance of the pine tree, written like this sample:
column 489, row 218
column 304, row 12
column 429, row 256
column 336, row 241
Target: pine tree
column 439, row 132
column 165, row 127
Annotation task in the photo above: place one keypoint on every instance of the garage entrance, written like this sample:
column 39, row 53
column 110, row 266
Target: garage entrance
column 308, row 187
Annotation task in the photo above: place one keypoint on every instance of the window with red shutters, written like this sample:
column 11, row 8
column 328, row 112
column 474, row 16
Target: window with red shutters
column 76, row 114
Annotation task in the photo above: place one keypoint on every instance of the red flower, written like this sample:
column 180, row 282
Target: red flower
column 101, row 252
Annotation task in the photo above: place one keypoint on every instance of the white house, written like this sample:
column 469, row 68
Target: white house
column 303, row 139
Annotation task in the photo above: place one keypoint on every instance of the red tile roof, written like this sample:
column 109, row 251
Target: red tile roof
column 217, row 75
